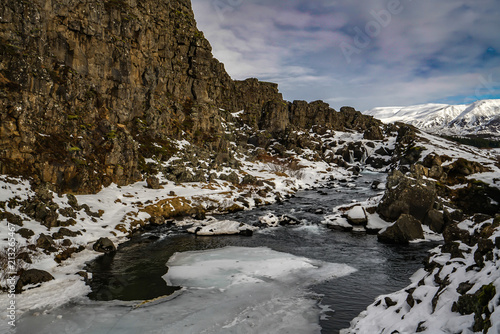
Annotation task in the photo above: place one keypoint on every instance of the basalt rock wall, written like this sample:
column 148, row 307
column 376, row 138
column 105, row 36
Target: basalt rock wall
column 88, row 86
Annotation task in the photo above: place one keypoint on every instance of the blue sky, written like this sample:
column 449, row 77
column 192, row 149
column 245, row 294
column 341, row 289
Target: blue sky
column 363, row 54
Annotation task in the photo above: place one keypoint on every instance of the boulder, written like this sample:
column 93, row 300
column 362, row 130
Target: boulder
column 477, row 197
column 66, row 254
column 405, row 195
column 45, row 242
column 25, row 233
column 249, row 180
column 153, row 182
column 232, row 177
column 104, row 245
column 32, row 276
column 25, row 256
column 406, row 229
column 463, row 167
column 418, row 170
column 438, row 173
column 432, row 159
column 454, row 233
column 384, row 151
column 377, row 163
column 435, row 220
column 373, row 133
column 157, row 220
column 65, row 232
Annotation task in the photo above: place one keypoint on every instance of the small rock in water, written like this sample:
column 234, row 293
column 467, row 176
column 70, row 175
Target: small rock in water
column 289, row 220
column 104, row 245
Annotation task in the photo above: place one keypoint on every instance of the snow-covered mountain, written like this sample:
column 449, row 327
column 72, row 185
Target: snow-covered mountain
column 479, row 118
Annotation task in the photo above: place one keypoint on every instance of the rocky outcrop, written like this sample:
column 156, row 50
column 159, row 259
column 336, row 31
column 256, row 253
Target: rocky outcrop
column 46, row 242
column 459, row 285
column 107, row 77
column 407, row 195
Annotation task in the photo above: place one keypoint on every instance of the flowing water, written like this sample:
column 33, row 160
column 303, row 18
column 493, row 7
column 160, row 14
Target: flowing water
column 135, row 273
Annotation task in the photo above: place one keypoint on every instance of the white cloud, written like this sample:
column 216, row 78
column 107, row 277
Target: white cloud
column 428, row 51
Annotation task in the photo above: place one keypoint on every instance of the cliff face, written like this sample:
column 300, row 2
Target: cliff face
column 88, row 86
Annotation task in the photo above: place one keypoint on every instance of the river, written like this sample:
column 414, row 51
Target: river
column 364, row 269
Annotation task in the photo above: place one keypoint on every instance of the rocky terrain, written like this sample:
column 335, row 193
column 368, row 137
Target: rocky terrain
column 115, row 118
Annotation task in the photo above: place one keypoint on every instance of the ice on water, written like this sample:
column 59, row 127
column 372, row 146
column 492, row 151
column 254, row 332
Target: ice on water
column 228, row 290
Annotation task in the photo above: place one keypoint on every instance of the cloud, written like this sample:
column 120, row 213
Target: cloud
column 422, row 52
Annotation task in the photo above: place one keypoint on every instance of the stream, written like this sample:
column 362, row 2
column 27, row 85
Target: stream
column 312, row 273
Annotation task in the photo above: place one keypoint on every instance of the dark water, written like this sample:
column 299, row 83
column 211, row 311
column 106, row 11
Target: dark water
column 134, row 272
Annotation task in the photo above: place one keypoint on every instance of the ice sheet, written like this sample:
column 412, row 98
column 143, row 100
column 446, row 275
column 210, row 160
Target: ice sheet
column 229, row 290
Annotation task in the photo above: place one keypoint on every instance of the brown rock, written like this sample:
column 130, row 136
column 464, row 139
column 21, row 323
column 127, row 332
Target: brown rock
column 405, row 195
column 45, row 242
column 435, row 220
column 32, row 276
column 406, row 229
column 153, row 182
column 25, row 233
column 104, row 245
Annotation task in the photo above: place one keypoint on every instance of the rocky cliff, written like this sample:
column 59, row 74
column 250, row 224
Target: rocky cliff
column 90, row 88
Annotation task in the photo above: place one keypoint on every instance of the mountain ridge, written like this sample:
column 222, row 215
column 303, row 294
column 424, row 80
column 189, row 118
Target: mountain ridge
column 480, row 118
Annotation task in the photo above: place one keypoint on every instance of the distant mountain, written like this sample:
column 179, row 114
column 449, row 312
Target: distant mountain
column 481, row 118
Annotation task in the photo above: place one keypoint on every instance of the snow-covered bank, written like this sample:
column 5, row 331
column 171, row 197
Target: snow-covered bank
column 454, row 294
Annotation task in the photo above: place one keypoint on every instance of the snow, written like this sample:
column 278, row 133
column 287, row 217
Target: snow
column 254, row 290
column 125, row 208
column 222, row 227
column 356, row 213
column 264, row 279
column 237, row 114
column 376, row 223
column 270, row 220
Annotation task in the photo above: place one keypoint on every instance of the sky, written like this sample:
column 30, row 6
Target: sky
column 360, row 53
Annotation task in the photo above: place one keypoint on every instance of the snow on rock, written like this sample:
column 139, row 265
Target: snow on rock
column 116, row 211
column 357, row 215
column 337, row 222
column 270, row 220
column 221, row 227
column 376, row 224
